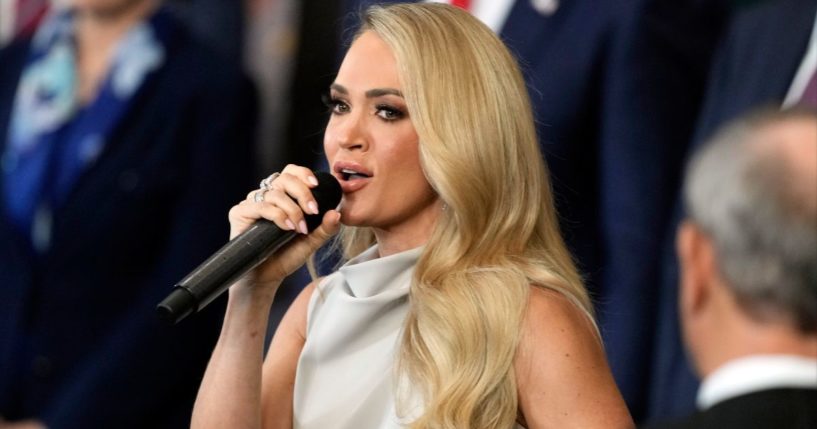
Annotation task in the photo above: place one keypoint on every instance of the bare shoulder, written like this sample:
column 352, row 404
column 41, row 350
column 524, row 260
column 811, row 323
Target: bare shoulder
column 562, row 374
column 281, row 362
column 552, row 316
column 294, row 321
column 555, row 333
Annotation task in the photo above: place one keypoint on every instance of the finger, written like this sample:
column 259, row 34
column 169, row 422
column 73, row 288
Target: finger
column 329, row 226
column 306, row 175
column 277, row 216
column 289, row 206
column 299, row 250
column 246, row 213
column 251, row 195
column 298, row 190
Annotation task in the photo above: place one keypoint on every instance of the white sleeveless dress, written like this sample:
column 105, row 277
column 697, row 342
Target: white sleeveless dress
column 345, row 377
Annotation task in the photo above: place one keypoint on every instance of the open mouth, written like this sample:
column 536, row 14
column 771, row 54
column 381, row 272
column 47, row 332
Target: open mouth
column 349, row 174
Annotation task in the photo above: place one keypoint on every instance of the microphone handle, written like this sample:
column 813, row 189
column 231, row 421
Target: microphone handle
column 222, row 269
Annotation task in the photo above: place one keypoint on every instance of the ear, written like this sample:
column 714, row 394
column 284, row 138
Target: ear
column 696, row 264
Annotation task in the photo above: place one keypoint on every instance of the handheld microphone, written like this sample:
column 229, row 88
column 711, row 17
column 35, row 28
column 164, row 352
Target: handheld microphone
column 240, row 255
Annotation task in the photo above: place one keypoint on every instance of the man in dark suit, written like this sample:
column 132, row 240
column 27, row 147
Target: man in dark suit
column 748, row 273
column 760, row 57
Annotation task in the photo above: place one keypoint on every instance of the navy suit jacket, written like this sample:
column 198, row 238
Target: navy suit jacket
column 754, row 66
column 616, row 88
column 80, row 343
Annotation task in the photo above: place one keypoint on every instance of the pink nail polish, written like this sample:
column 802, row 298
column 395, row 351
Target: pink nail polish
column 302, row 224
column 289, row 224
column 313, row 207
column 312, row 180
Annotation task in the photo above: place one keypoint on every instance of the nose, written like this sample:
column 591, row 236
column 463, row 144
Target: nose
column 349, row 132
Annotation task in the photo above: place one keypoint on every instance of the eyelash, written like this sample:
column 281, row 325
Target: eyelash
column 333, row 104
column 392, row 113
column 385, row 112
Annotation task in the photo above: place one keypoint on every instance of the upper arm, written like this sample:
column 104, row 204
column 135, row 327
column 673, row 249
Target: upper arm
column 562, row 375
column 278, row 375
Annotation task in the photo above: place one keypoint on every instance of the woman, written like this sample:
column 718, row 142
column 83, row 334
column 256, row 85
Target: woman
column 460, row 307
column 123, row 140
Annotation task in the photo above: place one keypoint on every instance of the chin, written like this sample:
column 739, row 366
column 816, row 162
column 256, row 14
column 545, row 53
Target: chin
column 349, row 217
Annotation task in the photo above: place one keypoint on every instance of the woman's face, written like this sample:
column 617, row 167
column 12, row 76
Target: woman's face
column 372, row 146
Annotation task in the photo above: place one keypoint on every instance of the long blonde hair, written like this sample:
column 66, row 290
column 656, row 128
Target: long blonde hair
column 498, row 235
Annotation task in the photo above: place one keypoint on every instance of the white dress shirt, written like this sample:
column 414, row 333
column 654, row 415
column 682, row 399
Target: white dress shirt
column 756, row 373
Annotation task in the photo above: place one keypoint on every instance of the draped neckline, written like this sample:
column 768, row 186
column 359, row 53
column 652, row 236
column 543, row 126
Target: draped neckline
column 368, row 275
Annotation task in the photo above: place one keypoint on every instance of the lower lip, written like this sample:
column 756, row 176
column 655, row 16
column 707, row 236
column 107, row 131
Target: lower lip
column 353, row 185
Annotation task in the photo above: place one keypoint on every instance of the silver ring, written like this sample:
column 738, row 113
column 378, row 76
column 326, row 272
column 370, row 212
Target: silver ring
column 266, row 184
column 258, row 196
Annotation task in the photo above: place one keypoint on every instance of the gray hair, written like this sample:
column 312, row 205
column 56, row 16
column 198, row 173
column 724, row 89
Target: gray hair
column 761, row 217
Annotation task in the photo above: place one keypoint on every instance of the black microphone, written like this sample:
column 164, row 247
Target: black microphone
column 240, row 255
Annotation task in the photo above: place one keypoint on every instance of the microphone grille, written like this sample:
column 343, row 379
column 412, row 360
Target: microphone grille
column 327, row 194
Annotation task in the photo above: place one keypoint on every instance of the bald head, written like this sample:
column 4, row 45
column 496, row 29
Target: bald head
column 753, row 190
column 789, row 146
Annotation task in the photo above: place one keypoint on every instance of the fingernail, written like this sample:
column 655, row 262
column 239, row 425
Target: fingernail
column 289, row 224
column 302, row 224
column 313, row 207
column 312, row 181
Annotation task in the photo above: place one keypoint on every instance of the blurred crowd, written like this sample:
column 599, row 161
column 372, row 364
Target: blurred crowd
column 129, row 127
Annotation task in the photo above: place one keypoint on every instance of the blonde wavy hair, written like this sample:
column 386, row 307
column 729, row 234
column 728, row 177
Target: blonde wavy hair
column 499, row 234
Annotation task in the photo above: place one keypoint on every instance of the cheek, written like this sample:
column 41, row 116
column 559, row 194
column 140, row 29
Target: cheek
column 330, row 148
column 403, row 158
column 403, row 144
column 403, row 161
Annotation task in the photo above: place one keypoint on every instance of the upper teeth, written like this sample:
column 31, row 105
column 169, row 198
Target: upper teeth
column 348, row 171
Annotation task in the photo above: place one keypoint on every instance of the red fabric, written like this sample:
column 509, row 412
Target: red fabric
column 29, row 14
column 465, row 4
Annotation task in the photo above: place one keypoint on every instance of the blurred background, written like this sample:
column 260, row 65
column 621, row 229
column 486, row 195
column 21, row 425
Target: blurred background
column 129, row 127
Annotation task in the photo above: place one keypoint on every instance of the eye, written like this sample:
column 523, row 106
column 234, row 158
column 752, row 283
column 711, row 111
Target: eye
column 389, row 113
column 335, row 105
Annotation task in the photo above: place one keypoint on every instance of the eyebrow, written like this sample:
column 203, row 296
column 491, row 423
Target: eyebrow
column 372, row 93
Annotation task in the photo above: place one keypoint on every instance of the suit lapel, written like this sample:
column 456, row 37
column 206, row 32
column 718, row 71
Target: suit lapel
column 783, row 43
column 786, row 41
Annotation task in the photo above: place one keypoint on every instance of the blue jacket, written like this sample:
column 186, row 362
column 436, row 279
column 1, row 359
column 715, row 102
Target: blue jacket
column 80, row 343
